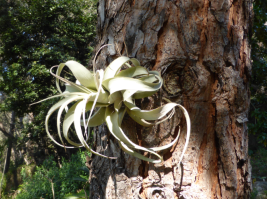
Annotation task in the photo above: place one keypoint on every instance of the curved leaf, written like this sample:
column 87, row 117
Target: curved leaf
column 126, row 83
column 155, row 114
column 77, row 124
column 112, row 121
column 126, row 149
column 114, row 66
column 50, row 112
column 97, row 119
column 82, row 74
column 62, row 107
column 77, row 86
column 133, row 72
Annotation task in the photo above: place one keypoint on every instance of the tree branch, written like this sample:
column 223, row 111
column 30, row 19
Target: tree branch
column 2, row 128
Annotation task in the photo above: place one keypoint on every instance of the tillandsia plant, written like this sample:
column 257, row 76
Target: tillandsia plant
column 113, row 93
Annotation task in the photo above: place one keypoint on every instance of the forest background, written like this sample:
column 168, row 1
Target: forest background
column 36, row 35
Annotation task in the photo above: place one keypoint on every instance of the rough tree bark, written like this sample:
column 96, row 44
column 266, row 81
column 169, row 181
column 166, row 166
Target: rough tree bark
column 202, row 49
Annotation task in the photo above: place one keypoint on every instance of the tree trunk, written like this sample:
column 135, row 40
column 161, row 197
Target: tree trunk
column 10, row 141
column 202, row 49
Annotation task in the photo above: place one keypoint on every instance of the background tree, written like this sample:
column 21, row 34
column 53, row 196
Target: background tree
column 258, row 109
column 202, row 50
column 258, row 125
column 34, row 36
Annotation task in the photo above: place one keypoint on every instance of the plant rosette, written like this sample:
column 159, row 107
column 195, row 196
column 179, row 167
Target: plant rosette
column 113, row 93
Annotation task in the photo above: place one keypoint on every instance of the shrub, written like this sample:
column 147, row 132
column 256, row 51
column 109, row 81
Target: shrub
column 63, row 179
column 259, row 164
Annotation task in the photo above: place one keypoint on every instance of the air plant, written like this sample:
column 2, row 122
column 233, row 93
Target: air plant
column 113, row 93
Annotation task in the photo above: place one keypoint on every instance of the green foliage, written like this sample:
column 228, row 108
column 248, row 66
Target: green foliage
column 254, row 194
column 259, row 164
column 63, row 179
column 35, row 35
column 259, row 43
column 259, row 127
column 4, row 182
column 258, row 110
column 258, row 114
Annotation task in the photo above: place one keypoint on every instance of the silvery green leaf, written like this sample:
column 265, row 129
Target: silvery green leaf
column 151, row 78
column 114, row 67
column 128, row 150
column 97, row 119
column 135, row 62
column 115, row 96
column 121, row 114
column 126, row 83
column 79, row 87
column 133, row 72
column 130, row 105
column 112, row 121
column 99, row 79
column 140, row 95
column 60, row 95
column 62, row 107
column 139, row 120
column 155, row 114
column 127, row 94
column 77, row 124
column 50, row 112
column 70, row 89
column 82, row 74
